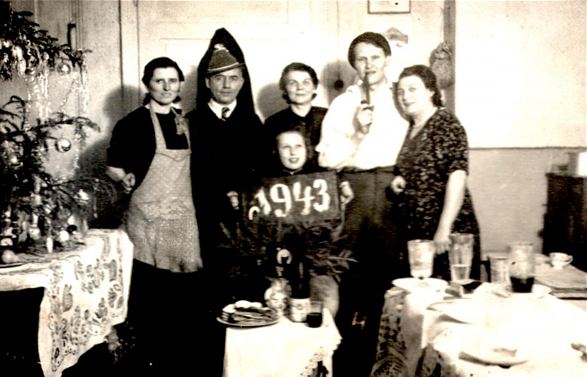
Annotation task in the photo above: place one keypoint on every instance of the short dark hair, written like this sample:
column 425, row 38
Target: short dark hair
column 428, row 78
column 296, row 66
column 372, row 38
column 161, row 62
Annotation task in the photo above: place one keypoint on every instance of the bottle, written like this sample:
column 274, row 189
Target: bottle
column 299, row 302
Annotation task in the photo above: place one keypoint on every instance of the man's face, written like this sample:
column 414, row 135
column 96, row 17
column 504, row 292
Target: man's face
column 370, row 60
column 226, row 85
column 164, row 85
column 292, row 150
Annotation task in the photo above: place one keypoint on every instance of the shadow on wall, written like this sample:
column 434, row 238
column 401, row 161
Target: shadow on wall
column 335, row 78
column 269, row 101
column 189, row 91
column 111, row 202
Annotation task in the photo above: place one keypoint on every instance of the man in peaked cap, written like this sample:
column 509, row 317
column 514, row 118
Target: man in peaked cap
column 225, row 134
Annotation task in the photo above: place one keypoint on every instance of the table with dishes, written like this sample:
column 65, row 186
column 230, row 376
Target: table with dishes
column 282, row 348
column 429, row 328
column 85, row 294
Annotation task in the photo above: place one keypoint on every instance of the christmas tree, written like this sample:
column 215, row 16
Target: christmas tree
column 40, row 211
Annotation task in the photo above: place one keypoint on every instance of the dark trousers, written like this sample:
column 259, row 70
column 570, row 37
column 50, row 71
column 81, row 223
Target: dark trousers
column 372, row 234
column 170, row 330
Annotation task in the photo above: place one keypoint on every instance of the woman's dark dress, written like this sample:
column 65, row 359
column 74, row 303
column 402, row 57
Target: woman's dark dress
column 426, row 161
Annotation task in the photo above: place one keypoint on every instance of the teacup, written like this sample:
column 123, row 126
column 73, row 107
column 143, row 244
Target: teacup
column 559, row 260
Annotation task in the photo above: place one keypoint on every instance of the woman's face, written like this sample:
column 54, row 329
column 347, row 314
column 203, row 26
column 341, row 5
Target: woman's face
column 292, row 150
column 299, row 87
column 164, row 86
column 414, row 97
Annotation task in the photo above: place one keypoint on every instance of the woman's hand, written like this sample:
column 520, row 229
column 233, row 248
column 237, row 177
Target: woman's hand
column 398, row 184
column 128, row 182
column 442, row 240
column 364, row 117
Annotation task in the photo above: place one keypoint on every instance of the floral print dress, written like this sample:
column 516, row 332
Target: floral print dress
column 425, row 161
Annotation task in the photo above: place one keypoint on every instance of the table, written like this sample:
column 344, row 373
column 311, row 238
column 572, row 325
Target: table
column 417, row 339
column 286, row 349
column 85, row 294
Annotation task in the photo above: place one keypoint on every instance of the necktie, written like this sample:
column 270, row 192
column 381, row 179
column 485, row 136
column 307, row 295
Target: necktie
column 225, row 111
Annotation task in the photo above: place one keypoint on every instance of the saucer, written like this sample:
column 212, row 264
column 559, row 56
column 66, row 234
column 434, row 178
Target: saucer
column 493, row 355
column 415, row 284
column 505, row 290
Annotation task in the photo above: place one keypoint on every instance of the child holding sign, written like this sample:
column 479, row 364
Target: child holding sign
column 296, row 215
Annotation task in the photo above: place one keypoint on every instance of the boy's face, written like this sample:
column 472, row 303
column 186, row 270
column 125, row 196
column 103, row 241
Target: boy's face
column 292, row 150
column 226, row 85
column 370, row 60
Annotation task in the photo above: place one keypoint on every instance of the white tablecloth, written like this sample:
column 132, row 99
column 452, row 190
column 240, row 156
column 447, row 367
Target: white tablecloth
column 425, row 342
column 86, row 293
column 286, row 349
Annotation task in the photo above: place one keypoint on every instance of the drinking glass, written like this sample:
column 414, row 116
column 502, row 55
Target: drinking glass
column 421, row 257
column 460, row 256
column 521, row 266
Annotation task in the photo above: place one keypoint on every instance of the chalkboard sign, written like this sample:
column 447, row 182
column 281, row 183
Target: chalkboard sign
column 296, row 198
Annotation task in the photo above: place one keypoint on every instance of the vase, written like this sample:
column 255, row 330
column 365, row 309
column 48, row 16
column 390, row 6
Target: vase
column 325, row 289
column 276, row 296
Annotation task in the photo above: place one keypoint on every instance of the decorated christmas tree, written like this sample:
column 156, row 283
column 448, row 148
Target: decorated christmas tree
column 41, row 210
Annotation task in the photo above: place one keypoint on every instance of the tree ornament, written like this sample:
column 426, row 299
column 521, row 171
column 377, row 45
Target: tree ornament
column 63, row 68
column 441, row 65
column 62, row 145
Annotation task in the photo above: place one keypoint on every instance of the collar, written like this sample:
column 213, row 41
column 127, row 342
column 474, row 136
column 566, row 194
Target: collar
column 217, row 108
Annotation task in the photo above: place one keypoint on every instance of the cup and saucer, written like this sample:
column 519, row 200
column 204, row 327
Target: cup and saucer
column 559, row 260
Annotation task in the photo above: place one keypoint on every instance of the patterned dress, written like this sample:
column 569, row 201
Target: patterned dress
column 426, row 161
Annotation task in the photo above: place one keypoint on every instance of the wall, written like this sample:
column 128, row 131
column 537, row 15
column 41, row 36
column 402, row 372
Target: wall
column 508, row 185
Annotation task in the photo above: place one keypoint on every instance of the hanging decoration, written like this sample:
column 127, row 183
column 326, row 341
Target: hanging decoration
column 27, row 50
column 442, row 65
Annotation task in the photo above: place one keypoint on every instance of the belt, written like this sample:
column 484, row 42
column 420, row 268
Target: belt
column 380, row 169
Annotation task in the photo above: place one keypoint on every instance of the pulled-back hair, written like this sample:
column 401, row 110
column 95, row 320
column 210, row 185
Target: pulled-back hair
column 428, row 78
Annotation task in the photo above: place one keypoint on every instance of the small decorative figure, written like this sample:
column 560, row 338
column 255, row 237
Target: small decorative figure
column 276, row 296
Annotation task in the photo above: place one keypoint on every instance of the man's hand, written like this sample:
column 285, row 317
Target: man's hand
column 346, row 193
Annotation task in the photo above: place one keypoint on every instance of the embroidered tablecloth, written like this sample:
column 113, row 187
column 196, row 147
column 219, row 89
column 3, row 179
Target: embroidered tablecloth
column 85, row 294
column 285, row 349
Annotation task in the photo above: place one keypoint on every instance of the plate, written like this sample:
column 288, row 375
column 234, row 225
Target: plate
column 489, row 354
column 505, row 290
column 248, row 324
column 415, row 284
column 8, row 265
column 465, row 311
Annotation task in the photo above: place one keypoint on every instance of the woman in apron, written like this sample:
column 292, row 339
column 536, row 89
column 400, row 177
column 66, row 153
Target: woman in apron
column 149, row 155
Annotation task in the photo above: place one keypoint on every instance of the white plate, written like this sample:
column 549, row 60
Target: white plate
column 415, row 284
column 465, row 311
column 248, row 324
column 505, row 290
column 490, row 354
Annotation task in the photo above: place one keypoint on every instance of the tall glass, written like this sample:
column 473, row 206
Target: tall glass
column 521, row 266
column 421, row 256
column 460, row 256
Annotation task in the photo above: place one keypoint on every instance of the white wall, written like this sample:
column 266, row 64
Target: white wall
column 521, row 72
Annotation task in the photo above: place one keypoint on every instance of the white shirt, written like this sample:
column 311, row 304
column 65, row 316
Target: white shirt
column 217, row 108
column 339, row 145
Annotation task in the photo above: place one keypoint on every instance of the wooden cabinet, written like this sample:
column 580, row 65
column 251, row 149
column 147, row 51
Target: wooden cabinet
column 565, row 221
